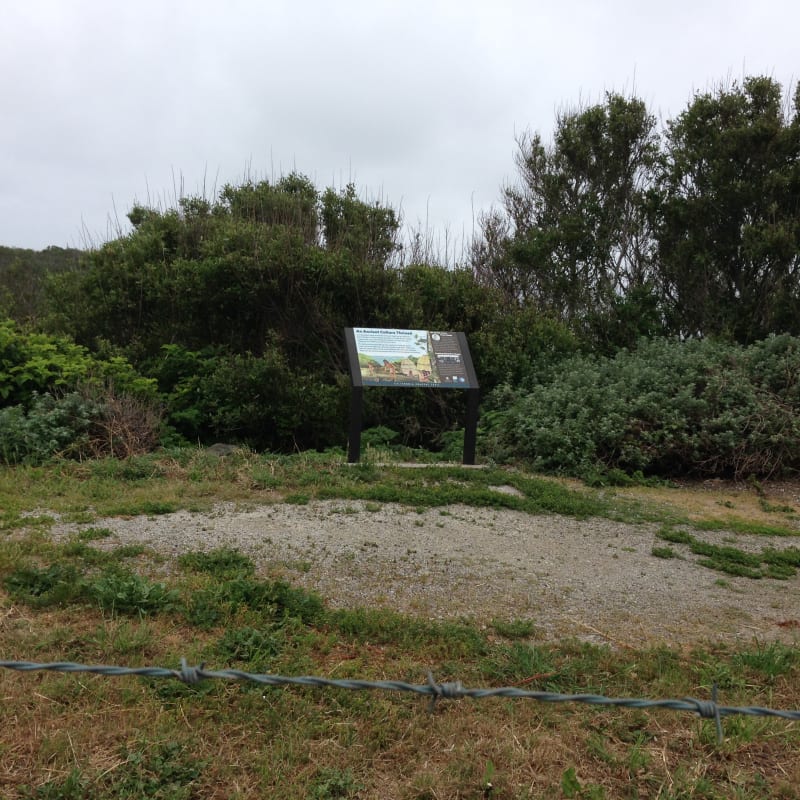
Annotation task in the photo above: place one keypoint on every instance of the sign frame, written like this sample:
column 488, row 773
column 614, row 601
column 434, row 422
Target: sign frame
column 453, row 355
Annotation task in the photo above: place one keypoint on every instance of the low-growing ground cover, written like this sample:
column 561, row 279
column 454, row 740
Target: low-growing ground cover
column 76, row 736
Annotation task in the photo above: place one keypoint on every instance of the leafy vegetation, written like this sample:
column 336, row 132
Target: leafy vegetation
column 667, row 408
column 624, row 253
column 624, row 231
column 23, row 275
column 573, row 237
column 56, row 398
column 728, row 201
column 771, row 563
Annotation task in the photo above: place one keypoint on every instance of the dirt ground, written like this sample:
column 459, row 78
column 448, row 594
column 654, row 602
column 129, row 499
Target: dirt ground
column 595, row 579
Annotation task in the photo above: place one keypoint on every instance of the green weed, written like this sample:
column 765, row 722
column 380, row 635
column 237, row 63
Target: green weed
column 73, row 787
column 251, row 645
column 93, row 534
column 164, row 772
column 571, row 787
column 120, row 638
column 514, row 629
column 124, row 592
column 54, row 585
column 775, row 508
column 333, row 783
column 519, row 662
column 770, row 660
column 380, row 626
column 770, row 563
column 264, row 478
column 150, row 508
column 745, row 527
column 222, row 563
column 663, row 552
column 135, row 468
column 271, row 600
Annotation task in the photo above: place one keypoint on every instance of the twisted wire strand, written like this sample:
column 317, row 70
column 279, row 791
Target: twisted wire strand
column 708, row 709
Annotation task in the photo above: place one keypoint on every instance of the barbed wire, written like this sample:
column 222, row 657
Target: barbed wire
column 707, row 709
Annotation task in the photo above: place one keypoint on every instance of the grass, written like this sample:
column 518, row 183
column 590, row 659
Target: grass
column 81, row 599
column 189, row 480
column 72, row 735
column 768, row 563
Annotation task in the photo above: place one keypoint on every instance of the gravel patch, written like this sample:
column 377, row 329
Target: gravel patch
column 594, row 579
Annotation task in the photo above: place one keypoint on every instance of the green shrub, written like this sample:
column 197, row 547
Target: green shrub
column 57, row 398
column 260, row 401
column 37, row 363
column 50, row 426
column 379, row 436
column 83, row 424
column 668, row 408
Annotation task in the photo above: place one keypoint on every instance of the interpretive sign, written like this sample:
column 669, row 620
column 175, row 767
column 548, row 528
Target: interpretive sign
column 401, row 358
column 392, row 357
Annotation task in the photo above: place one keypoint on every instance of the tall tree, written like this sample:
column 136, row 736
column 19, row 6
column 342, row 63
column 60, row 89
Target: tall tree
column 573, row 236
column 729, row 213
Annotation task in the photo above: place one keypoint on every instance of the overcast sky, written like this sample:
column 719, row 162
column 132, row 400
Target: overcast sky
column 105, row 102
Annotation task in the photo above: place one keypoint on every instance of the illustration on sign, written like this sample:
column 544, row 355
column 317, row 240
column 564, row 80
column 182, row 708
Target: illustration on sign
column 396, row 357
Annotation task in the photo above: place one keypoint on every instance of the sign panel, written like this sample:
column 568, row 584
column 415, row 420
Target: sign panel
column 397, row 357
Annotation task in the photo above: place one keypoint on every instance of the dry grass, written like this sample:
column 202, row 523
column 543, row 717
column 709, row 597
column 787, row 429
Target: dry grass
column 288, row 743
column 773, row 503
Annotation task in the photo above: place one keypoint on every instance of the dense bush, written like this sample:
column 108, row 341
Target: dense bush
column 40, row 363
column 624, row 228
column 237, row 309
column 615, row 232
column 259, row 401
column 668, row 408
column 50, row 426
column 57, row 398
column 81, row 424
column 23, row 274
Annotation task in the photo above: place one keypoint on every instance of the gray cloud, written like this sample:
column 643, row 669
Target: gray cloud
column 416, row 102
